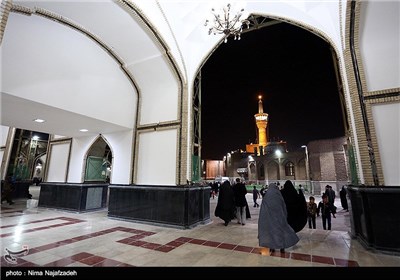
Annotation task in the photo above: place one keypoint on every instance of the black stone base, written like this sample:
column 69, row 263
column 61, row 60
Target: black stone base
column 375, row 217
column 74, row 197
column 174, row 206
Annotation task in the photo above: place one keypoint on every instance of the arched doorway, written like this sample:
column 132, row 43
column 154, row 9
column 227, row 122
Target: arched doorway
column 98, row 162
column 283, row 99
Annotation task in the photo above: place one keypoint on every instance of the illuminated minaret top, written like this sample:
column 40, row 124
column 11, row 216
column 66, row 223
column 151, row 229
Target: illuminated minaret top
column 262, row 122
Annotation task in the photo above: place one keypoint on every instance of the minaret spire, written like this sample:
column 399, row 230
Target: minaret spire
column 262, row 122
column 260, row 105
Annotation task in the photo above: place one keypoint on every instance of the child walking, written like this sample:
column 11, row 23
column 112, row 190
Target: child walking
column 326, row 210
column 311, row 212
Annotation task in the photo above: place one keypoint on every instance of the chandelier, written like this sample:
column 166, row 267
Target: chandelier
column 227, row 24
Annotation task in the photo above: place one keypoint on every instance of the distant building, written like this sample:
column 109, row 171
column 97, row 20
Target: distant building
column 328, row 163
column 266, row 161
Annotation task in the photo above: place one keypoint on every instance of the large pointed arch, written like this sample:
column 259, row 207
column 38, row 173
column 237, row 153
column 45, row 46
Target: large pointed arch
column 263, row 20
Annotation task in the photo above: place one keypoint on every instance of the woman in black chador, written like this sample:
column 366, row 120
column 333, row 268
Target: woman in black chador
column 296, row 206
column 343, row 199
column 226, row 203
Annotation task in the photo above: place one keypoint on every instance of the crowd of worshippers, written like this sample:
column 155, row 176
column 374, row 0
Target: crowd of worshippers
column 283, row 212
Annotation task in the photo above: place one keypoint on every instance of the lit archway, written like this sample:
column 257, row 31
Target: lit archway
column 98, row 167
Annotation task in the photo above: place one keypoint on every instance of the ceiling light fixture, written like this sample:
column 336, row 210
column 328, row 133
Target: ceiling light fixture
column 83, row 130
column 39, row 120
column 226, row 24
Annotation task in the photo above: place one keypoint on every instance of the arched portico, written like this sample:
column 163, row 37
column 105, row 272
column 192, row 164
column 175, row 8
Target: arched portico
column 125, row 69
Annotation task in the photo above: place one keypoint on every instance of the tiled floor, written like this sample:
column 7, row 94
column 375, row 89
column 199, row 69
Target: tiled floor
column 61, row 239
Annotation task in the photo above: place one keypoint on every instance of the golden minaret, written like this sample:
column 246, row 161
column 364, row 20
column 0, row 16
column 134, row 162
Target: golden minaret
column 262, row 122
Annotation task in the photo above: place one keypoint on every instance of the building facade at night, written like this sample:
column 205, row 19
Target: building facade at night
column 323, row 162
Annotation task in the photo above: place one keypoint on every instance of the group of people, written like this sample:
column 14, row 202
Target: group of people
column 232, row 203
column 282, row 212
column 326, row 207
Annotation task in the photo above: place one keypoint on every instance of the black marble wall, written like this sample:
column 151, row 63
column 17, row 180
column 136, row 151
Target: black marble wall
column 75, row 197
column 176, row 206
column 375, row 217
column 21, row 189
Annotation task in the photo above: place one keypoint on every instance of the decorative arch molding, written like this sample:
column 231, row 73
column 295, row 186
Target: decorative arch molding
column 137, row 13
column 284, row 161
column 39, row 156
column 5, row 10
column 337, row 53
column 94, row 141
column 300, row 163
column 301, row 24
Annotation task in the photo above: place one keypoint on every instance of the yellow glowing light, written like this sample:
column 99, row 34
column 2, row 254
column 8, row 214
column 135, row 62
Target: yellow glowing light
column 260, row 97
column 264, row 251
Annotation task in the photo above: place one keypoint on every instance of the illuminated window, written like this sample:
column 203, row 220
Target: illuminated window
column 289, row 169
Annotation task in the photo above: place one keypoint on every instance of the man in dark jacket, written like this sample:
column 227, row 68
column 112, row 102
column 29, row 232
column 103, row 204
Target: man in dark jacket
column 327, row 211
column 240, row 191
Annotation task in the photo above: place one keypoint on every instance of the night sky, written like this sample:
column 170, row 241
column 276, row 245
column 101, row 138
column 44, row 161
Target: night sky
column 291, row 68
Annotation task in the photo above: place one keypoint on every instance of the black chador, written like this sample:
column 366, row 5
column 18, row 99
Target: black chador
column 296, row 206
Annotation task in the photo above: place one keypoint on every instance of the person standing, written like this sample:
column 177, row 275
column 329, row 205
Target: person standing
column 343, row 199
column 263, row 190
column 212, row 193
column 256, row 195
column 274, row 232
column 240, row 191
column 330, row 194
column 327, row 211
column 225, row 208
column 311, row 212
column 6, row 190
column 296, row 206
